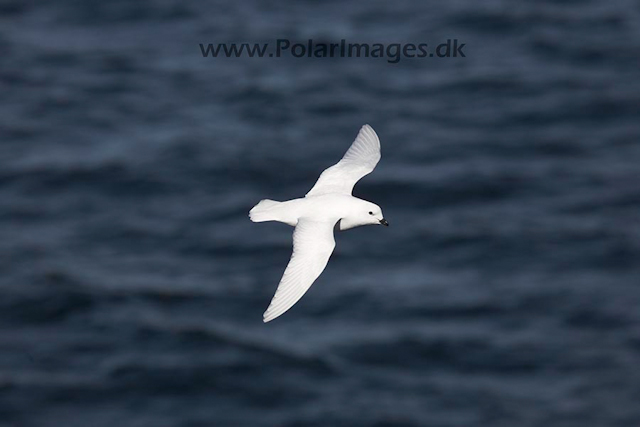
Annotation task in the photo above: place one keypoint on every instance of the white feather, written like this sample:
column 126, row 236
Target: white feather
column 313, row 244
column 359, row 160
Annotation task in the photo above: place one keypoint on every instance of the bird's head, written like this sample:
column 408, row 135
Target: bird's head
column 364, row 213
column 374, row 215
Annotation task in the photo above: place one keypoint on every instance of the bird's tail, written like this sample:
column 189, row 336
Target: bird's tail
column 264, row 211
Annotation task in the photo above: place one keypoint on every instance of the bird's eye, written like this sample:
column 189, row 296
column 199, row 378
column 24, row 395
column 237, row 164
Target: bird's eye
column 370, row 213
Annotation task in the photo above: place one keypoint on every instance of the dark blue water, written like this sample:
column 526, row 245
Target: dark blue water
column 505, row 293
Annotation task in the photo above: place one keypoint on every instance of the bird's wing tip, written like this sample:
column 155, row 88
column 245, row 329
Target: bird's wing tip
column 372, row 132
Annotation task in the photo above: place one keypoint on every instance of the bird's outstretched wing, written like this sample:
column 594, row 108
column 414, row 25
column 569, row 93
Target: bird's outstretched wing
column 313, row 244
column 359, row 160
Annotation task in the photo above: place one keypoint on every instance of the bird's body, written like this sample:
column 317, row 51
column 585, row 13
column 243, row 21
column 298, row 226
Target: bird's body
column 331, row 207
column 328, row 205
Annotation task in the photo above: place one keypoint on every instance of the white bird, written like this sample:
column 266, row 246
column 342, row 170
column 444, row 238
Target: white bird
column 328, row 205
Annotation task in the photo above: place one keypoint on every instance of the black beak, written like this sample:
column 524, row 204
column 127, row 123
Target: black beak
column 384, row 222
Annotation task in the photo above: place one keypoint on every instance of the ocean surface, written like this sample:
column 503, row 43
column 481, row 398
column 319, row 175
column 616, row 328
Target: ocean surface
column 506, row 291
